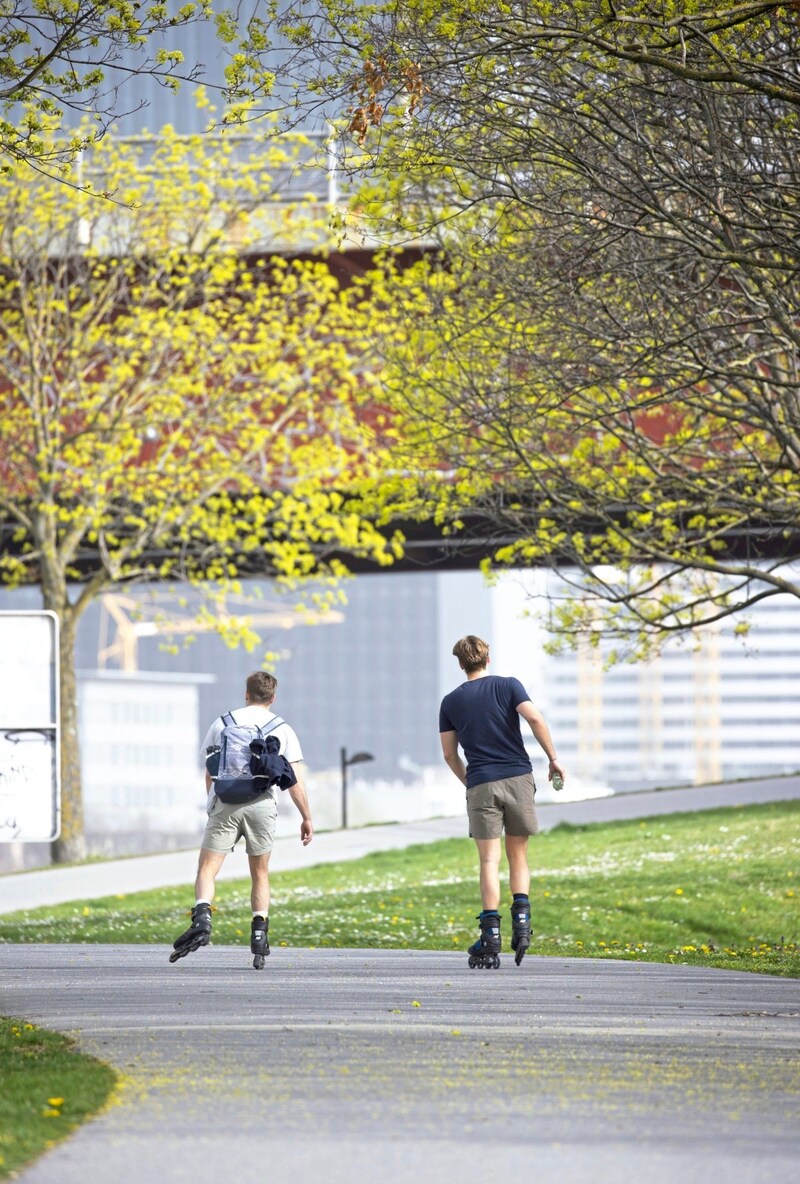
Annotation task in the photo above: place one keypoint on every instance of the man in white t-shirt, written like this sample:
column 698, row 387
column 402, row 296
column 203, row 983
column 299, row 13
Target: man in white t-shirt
column 255, row 821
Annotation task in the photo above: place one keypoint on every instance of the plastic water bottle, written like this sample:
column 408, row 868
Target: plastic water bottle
column 557, row 782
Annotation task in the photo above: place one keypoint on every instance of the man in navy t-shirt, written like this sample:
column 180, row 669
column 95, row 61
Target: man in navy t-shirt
column 483, row 717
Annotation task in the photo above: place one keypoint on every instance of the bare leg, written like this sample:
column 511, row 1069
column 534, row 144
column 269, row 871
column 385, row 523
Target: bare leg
column 259, row 899
column 485, row 953
column 199, row 932
column 489, row 855
column 519, row 873
column 259, row 875
column 520, row 881
column 208, row 866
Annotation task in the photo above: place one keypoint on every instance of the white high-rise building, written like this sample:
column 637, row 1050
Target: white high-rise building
column 709, row 708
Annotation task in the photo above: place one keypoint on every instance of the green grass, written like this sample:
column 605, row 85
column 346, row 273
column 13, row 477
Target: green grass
column 48, row 1088
column 713, row 888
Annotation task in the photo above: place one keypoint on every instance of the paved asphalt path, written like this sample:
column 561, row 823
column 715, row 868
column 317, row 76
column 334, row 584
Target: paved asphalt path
column 365, row 1066
column 384, row 1067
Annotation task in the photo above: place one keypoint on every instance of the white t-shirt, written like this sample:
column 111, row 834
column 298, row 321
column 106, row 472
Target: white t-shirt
column 262, row 717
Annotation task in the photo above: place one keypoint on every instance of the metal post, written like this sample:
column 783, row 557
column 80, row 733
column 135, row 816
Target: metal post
column 355, row 759
column 343, row 753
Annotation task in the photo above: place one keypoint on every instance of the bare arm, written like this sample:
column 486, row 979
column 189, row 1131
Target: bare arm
column 451, row 755
column 541, row 732
column 297, row 793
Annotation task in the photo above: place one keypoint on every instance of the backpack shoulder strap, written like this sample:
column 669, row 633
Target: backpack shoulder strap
column 229, row 719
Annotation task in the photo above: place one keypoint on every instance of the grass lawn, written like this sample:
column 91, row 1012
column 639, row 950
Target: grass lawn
column 713, row 888
column 47, row 1090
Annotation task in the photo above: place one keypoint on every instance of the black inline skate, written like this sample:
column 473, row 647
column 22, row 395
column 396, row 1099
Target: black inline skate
column 259, row 943
column 198, row 934
column 521, row 927
column 484, row 954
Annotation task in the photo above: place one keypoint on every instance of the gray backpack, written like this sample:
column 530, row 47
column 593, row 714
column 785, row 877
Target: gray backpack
column 247, row 761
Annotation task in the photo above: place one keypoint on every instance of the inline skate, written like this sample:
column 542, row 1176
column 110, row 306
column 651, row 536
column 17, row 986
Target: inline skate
column 198, row 934
column 259, row 942
column 521, row 927
column 484, row 954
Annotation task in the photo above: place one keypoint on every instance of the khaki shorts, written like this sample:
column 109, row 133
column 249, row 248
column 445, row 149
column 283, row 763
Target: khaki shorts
column 256, row 821
column 506, row 805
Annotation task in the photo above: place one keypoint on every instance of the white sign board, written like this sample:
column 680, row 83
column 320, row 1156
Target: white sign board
column 30, row 802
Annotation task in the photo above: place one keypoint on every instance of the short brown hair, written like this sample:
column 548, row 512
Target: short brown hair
column 261, row 686
column 472, row 653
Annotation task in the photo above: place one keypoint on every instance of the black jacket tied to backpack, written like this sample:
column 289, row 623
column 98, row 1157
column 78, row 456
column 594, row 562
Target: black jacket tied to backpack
column 267, row 762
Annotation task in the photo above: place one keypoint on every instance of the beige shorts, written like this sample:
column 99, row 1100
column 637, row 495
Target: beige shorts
column 256, row 821
column 507, row 805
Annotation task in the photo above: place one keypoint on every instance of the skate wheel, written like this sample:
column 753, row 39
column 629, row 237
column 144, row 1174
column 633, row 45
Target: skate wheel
column 258, row 962
column 174, row 956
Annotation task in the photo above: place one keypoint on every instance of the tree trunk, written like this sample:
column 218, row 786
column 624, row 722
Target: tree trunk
column 70, row 846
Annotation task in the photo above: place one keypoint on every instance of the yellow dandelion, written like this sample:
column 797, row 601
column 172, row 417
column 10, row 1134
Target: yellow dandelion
column 55, row 1101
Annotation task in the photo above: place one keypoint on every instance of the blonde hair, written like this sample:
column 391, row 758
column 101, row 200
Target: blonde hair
column 472, row 653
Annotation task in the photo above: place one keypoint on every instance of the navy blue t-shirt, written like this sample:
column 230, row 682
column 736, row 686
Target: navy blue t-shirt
column 483, row 714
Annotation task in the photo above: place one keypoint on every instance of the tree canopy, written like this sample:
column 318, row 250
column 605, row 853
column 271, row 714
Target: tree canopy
column 177, row 399
column 605, row 357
